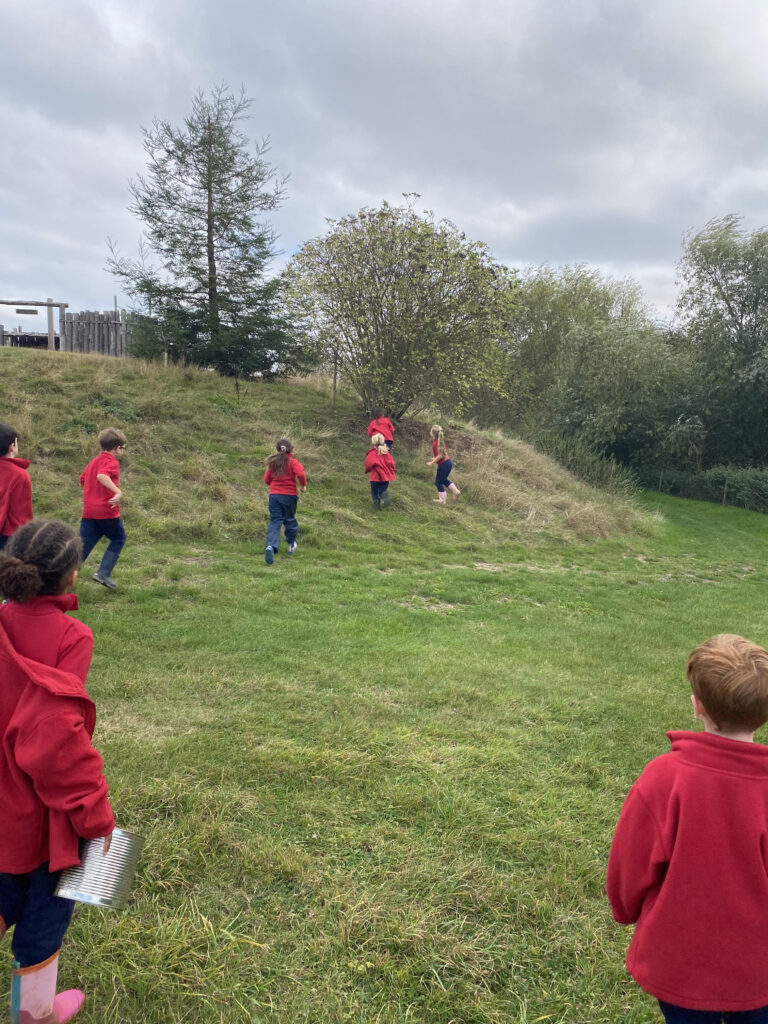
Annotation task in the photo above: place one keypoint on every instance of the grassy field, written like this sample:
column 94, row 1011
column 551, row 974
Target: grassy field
column 377, row 780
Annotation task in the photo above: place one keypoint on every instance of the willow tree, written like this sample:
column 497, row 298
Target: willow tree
column 203, row 259
column 408, row 307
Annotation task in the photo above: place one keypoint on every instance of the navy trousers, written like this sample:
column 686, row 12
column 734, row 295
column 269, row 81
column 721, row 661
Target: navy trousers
column 282, row 513
column 679, row 1015
column 91, row 532
column 40, row 919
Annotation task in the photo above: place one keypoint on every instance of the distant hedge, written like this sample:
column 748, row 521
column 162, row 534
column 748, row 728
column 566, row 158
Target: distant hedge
column 740, row 486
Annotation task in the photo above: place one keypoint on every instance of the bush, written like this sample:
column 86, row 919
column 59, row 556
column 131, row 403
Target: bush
column 585, row 462
column 740, row 486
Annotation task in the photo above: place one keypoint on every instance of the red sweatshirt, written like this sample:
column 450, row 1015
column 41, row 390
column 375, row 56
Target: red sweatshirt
column 382, row 426
column 689, row 865
column 381, row 467
column 435, row 450
column 95, row 495
column 286, row 484
column 15, row 495
column 52, row 787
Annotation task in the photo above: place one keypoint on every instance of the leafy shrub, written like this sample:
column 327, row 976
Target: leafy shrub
column 741, row 486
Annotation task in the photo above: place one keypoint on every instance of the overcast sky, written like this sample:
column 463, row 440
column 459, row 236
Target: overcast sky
column 557, row 131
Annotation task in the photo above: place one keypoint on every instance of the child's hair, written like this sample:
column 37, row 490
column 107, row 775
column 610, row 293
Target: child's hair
column 436, row 431
column 7, row 436
column 377, row 441
column 377, row 413
column 278, row 462
column 38, row 559
column 110, row 439
column 729, row 675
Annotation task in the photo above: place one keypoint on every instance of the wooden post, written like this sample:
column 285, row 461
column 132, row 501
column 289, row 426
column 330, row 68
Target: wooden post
column 2, row 335
column 51, row 335
column 124, row 333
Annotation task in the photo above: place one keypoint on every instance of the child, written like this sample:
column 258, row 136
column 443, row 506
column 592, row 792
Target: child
column 444, row 465
column 381, row 467
column 52, row 790
column 15, row 485
column 282, row 473
column 381, row 425
column 689, row 860
column 101, row 508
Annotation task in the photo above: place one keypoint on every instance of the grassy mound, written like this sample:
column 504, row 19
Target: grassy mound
column 377, row 780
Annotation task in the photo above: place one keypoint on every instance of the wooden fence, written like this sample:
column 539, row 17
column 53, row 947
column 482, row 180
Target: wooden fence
column 104, row 334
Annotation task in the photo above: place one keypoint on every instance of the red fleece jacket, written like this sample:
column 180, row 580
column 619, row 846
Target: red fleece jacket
column 95, row 495
column 52, row 787
column 382, row 426
column 381, row 467
column 286, row 484
column 689, row 865
column 15, row 495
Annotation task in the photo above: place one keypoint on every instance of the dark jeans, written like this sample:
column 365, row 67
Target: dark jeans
column 282, row 512
column 679, row 1015
column 40, row 918
column 389, row 444
column 443, row 472
column 91, row 532
column 3, row 540
column 378, row 487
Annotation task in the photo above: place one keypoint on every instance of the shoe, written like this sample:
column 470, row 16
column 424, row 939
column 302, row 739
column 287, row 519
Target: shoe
column 292, row 547
column 269, row 554
column 385, row 499
column 376, row 503
column 105, row 581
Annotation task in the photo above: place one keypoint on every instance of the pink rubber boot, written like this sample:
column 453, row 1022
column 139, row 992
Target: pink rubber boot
column 34, row 999
column 454, row 490
column 440, row 497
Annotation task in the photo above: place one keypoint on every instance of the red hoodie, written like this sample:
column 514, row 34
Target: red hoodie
column 15, row 495
column 689, row 866
column 286, row 484
column 381, row 467
column 52, row 787
column 382, row 426
column 95, row 495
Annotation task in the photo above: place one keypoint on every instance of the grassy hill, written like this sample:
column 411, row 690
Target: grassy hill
column 377, row 780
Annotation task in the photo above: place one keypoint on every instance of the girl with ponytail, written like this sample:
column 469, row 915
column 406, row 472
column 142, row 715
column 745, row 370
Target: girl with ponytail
column 444, row 465
column 282, row 473
column 380, row 467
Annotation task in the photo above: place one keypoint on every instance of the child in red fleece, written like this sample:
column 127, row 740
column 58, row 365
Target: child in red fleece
column 282, row 473
column 380, row 467
column 689, row 860
column 52, row 788
column 380, row 424
column 100, row 481
column 15, row 485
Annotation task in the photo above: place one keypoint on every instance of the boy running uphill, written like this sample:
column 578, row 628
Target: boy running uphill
column 52, row 790
column 380, row 467
column 689, row 860
column 15, row 485
column 283, row 471
column 101, row 505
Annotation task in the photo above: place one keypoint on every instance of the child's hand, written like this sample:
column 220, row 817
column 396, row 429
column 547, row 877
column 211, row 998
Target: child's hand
column 304, row 488
column 115, row 498
column 107, row 844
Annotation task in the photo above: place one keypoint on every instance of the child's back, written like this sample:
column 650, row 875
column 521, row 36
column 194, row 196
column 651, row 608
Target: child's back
column 689, row 859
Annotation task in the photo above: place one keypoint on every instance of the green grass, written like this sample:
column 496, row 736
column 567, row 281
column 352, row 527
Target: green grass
column 378, row 780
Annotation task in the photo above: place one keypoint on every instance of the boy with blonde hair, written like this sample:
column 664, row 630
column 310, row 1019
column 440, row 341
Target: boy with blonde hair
column 100, row 481
column 689, row 860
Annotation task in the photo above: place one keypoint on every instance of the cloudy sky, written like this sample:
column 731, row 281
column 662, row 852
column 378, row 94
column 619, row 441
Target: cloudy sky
column 557, row 131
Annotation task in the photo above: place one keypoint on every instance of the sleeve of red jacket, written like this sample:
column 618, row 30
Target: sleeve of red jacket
column 372, row 428
column 300, row 472
column 66, row 769
column 637, row 862
column 371, row 460
column 22, row 500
